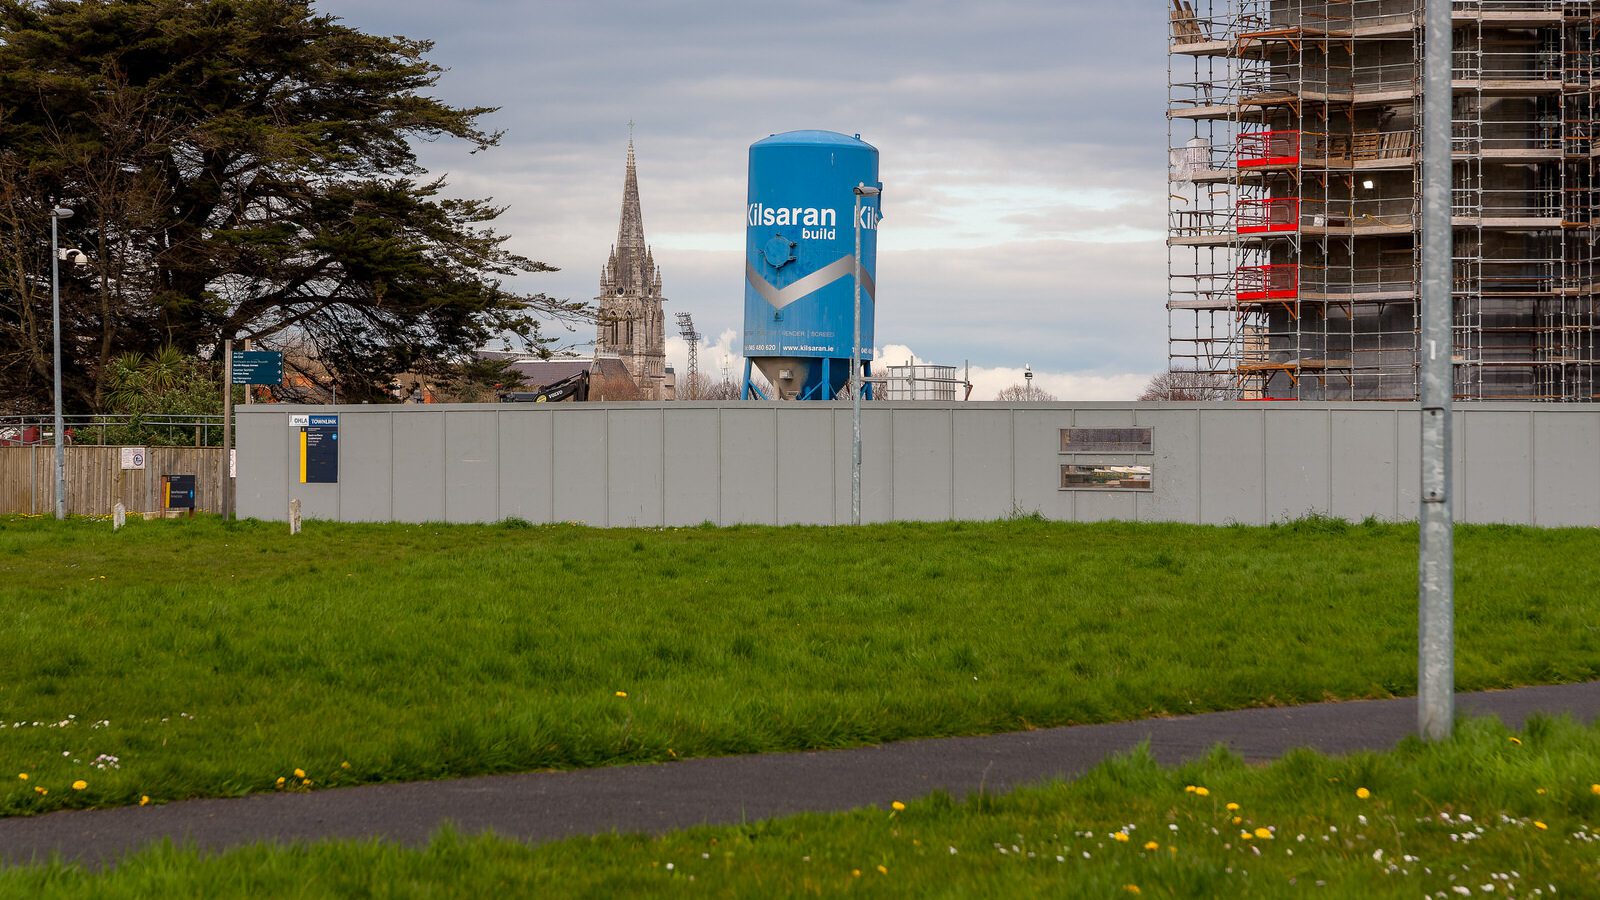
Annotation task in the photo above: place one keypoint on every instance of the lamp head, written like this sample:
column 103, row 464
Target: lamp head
column 864, row 190
column 61, row 212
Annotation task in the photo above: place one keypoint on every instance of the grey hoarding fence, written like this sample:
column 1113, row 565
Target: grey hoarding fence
column 651, row 464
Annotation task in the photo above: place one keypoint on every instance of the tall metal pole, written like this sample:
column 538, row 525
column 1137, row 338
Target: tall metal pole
column 226, row 479
column 1436, row 575
column 855, row 380
column 861, row 190
column 56, row 215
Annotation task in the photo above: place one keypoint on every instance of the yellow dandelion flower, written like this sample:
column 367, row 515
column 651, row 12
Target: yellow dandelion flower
column 345, row 764
column 622, row 694
column 1201, row 792
column 144, row 800
column 1152, row 845
column 1232, row 807
column 1132, row 889
column 1264, row 833
column 897, row 806
column 1540, row 792
column 79, row 785
column 1120, row 837
column 1362, row 793
column 883, row 869
column 23, row 776
column 1245, row 836
column 1594, row 788
column 1515, row 740
column 855, row 873
column 1541, row 826
column 280, row 781
column 299, row 773
column 41, row 791
column 1188, row 789
column 306, row 782
column 1237, row 820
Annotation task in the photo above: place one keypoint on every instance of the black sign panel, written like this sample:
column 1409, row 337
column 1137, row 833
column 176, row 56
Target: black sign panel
column 257, row 367
column 319, row 451
column 179, row 492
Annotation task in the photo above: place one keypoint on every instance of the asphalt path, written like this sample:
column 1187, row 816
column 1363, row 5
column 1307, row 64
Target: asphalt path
column 547, row 806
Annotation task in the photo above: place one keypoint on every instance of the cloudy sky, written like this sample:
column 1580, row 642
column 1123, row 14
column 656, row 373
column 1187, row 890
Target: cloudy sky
column 1022, row 143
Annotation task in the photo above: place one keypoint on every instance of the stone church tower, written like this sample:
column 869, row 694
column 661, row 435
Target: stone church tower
column 631, row 322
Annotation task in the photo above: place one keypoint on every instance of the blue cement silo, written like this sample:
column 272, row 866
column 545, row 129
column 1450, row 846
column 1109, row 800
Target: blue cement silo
column 799, row 292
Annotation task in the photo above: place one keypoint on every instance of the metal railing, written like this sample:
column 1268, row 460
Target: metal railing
column 113, row 430
column 1473, row 6
column 1536, row 65
column 1194, row 223
column 1358, row 280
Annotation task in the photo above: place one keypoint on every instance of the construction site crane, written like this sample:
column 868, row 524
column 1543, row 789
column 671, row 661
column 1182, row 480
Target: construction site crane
column 692, row 338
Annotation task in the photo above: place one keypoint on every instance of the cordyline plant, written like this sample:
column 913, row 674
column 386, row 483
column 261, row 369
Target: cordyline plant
column 239, row 169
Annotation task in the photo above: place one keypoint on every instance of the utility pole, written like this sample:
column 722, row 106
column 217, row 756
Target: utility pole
column 226, row 503
column 1436, row 552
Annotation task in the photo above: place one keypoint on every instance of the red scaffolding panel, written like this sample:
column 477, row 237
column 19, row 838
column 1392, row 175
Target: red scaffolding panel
column 1268, row 214
column 1277, row 281
column 1261, row 149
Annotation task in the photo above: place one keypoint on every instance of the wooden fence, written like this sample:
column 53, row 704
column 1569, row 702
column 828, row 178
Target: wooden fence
column 96, row 479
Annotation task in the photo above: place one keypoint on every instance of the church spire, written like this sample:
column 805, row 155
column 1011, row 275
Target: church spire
column 630, row 234
column 630, row 320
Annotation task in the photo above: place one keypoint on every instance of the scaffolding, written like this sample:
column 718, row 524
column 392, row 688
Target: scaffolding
column 1295, row 144
column 915, row 381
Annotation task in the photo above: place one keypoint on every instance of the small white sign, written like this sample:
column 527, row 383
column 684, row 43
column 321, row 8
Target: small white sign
column 300, row 421
column 133, row 457
column 233, row 463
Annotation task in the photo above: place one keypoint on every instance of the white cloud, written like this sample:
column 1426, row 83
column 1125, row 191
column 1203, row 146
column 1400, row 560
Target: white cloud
column 715, row 357
column 987, row 381
column 722, row 355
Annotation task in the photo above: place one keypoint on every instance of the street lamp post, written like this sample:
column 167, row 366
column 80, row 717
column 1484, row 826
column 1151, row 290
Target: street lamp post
column 861, row 190
column 56, row 215
column 1436, row 548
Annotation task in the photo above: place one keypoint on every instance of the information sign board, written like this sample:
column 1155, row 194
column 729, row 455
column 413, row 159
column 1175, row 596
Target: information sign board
column 257, row 367
column 319, row 449
column 178, row 492
column 133, row 458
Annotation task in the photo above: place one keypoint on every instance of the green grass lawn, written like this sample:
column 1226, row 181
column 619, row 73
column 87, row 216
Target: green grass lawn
column 1481, row 815
column 187, row 658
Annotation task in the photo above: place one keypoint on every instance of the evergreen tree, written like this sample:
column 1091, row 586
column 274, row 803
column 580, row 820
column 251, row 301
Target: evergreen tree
column 238, row 169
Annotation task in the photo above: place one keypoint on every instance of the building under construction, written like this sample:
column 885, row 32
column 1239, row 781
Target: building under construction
column 1293, row 251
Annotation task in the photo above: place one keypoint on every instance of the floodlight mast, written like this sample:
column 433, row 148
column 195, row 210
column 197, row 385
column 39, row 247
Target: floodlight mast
column 691, row 336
